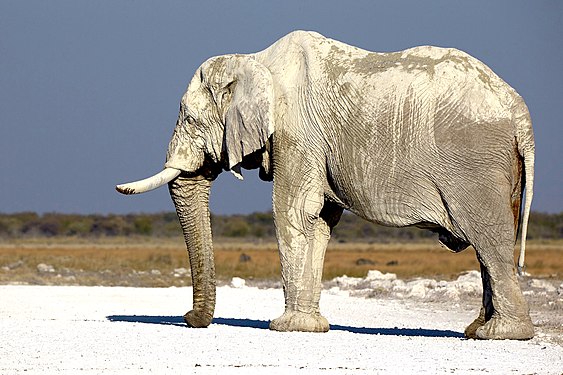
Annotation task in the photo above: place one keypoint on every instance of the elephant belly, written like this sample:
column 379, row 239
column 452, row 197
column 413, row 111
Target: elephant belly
column 392, row 200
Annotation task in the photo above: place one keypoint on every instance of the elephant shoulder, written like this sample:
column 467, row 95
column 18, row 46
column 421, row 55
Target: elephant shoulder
column 303, row 36
column 298, row 38
column 312, row 43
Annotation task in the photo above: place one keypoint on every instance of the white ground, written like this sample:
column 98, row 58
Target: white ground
column 103, row 330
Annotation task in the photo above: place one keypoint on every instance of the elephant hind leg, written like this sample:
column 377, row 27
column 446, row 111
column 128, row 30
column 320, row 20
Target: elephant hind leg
column 504, row 314
column 486, row 310
column 482, row 214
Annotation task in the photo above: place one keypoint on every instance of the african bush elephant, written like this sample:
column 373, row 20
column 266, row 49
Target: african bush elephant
column 427, row 137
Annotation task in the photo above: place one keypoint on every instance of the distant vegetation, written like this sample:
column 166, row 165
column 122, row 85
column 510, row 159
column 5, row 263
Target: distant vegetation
column 250, row 227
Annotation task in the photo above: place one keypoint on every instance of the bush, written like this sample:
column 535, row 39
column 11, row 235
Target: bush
column 256, row 225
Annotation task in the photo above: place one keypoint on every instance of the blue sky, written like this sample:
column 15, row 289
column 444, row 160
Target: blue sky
column 89, row 90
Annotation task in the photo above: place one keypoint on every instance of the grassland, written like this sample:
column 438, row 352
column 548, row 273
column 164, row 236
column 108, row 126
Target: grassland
column 159, row 262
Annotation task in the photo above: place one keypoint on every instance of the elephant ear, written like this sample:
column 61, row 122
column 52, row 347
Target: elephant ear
column 249, row 120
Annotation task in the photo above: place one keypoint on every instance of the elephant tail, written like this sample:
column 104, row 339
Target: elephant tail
column 526, row 149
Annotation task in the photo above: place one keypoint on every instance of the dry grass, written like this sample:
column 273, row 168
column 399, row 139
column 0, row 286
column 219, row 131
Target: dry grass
column 151, row 262
column 431, row 259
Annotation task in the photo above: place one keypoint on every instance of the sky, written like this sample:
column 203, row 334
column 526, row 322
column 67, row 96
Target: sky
column 90, row 90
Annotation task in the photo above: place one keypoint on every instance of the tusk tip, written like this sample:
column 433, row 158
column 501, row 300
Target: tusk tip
column 124, row 189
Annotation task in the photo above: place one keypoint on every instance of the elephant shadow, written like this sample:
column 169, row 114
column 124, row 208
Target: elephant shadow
column 264, row 324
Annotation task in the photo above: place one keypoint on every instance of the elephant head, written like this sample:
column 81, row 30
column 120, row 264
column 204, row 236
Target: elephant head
column 225, row 122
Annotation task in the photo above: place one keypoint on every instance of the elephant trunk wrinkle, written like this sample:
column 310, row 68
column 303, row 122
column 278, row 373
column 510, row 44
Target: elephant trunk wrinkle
column 191, row 198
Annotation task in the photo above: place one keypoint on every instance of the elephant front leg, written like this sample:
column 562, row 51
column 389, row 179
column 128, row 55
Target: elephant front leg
column 302, row 245
column 301, row 265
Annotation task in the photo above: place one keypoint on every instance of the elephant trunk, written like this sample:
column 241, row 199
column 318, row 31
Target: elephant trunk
column 191, row 198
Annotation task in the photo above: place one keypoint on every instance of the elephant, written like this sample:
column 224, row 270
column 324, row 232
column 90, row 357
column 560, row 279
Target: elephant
column 427, row 137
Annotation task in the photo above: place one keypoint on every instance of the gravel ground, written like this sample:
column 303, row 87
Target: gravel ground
column 414, row 327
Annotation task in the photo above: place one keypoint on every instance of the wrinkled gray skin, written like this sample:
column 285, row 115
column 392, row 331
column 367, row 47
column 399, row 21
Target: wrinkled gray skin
column 426, row 137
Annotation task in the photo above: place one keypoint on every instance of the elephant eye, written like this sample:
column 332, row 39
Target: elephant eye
column 190, row 120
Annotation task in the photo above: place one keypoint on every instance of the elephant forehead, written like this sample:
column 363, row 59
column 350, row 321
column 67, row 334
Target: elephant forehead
column 196, row 101
column 218, row 70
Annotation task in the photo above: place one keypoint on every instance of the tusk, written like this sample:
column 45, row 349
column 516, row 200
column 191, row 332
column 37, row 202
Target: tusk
column 148, row 184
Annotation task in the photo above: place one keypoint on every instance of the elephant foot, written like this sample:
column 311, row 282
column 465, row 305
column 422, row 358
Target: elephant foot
column 300, row 321
column 498, row 328
column 197, row 319
column 470, row 331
